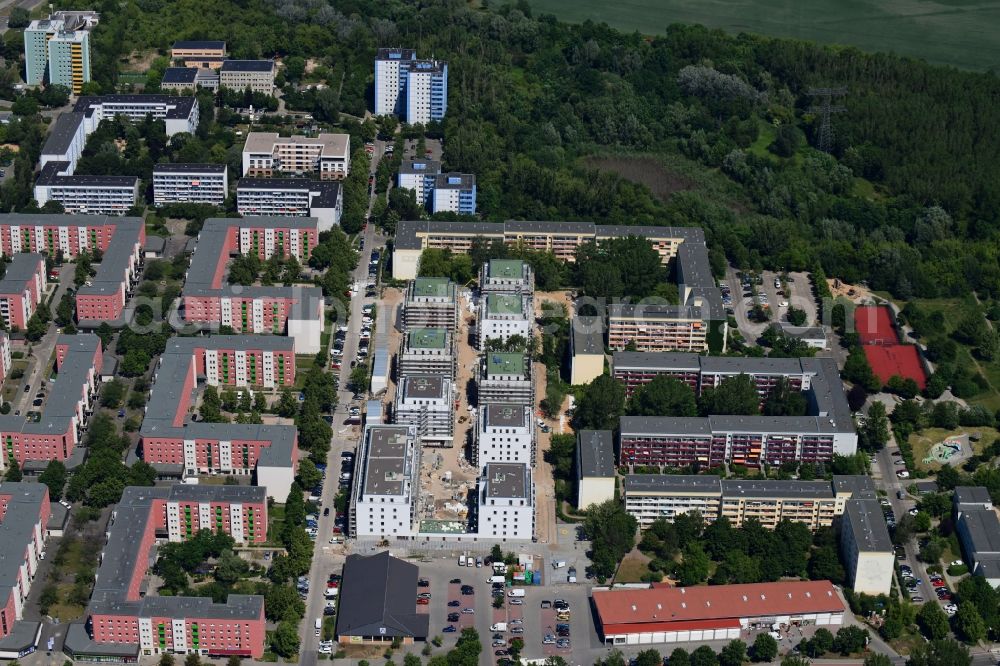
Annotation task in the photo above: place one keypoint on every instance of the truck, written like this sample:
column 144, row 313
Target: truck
column 497, row 579
column 516, row 592
column 558, row 564
column 499, row 626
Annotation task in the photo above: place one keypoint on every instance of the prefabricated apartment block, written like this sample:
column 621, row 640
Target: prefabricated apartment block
column 291, row 197
column 426, row 351
column 120, row 240
column 505, row 433
column 506, row 495
column 267, row 154
column 751, row 441
column 426, row 402
column 386, row 487
column 431, row 303
column 190, row 183
column 22, row 289
column 171, row 439
column 209, row 302
column 505, row 377
column 124, row 622
column 503, row 316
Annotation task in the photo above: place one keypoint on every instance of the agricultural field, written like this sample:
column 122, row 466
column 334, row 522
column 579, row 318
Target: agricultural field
column 947, row 32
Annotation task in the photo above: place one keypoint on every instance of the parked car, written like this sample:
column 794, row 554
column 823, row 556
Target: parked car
column 449, row 629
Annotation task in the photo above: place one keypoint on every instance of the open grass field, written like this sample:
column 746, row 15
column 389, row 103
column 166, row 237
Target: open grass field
column 961, row 33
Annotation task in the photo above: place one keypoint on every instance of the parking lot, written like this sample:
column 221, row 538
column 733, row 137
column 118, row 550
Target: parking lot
column 742, row 292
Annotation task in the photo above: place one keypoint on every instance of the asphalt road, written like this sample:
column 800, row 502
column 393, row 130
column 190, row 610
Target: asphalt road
column 329, row 558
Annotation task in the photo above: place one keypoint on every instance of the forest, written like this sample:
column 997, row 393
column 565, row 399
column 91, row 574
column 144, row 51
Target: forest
column 906, row 199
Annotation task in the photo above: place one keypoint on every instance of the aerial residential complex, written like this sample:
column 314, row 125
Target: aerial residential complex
column 415, row 90
column 505, row 377
column 257, row 75
column 207, row 301
column 454, row 193
column 385, row 493
column 595, row 467
column 24, row 519
column 65, row 412
column 504, row 315
column 291, row 197
column 172, row 441
column 426, row 402
column 505, row 433
column 506, row 276
column 586, row 349
column 419, row 175
column 978, row 530
column 426, row 351
column 124, row 622
column 190, row 183
column 104, row 194
column 748, row 440
column 266, row 154
column 431, row 303
column 866, row 548
column 119, row 239
column 21, row 289
column 506, row 496
column 96, row 195
column 560, row 238
column 57, row 49
column 635, row 369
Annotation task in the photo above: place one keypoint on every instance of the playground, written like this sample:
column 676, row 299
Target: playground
column 935, row 447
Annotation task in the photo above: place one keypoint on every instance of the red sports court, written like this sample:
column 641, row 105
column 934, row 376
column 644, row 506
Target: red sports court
column 874, row 325
column 889, row 360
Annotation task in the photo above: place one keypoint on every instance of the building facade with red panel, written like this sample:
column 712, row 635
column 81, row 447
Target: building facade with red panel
column 24, row 517
column 66, row 410
column 171, row 440
column 663, row 614
column 751, row 441
column 209, row 301
column 121, row 618
column 700, row 372
column 118, row 239
column 22, row 289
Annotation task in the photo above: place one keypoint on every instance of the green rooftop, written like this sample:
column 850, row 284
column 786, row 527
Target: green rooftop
column 503, row 304
column 431, row 287
column 504, row 363
column 427, row 338
column 510, row 269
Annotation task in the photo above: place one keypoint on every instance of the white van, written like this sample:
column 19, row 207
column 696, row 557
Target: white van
column 461, row 560
column 499, row 626
column 496, row 579
column 516, row 592
column 319, row 626
column 558, row 564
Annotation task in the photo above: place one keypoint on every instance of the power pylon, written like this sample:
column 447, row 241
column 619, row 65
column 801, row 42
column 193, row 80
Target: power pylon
column 826, row 108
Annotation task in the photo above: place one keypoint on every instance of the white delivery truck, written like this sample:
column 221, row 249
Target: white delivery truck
column 516, row 592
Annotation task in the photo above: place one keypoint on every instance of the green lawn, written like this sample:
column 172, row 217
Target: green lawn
column 949, row 32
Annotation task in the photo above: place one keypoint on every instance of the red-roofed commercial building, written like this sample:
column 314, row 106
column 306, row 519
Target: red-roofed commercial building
column 706, row 613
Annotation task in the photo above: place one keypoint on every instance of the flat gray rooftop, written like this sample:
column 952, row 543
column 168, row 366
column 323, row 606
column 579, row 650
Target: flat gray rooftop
column 701, row 484
column 21, row 268
column 499, row 415
column 588, row 335
column 424, row 386
column 595, row 454
column 867, row 524
column 385, row 463
column 507, row 481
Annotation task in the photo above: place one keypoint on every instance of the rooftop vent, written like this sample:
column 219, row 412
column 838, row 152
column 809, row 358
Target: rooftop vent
column 633, row 608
